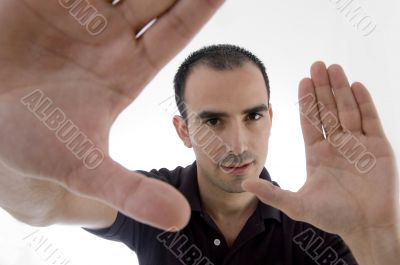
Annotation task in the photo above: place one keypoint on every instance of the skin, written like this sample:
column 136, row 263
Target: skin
column 337, row 196
column 44, row 47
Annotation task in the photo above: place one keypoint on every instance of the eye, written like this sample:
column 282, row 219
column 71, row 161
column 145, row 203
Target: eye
column 254, row 116
column 212, row 122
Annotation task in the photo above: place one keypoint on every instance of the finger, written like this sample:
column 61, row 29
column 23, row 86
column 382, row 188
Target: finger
column 326, row 101
column 370, row 122
column 284, row 200
column 140, row 13
column 172, row 31
column 309, row 113
column 144, row 199
column 349, row 114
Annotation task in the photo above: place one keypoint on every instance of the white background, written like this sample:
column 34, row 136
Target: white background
column 287, row 36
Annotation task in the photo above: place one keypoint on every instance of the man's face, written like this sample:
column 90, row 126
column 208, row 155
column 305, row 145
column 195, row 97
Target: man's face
column 228, row 123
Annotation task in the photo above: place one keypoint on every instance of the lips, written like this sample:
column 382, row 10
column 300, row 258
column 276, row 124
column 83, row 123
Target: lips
column 236, row 166
column 237, row 169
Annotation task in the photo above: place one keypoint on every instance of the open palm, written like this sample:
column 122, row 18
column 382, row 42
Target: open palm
column 87, row 69
column 352, row 181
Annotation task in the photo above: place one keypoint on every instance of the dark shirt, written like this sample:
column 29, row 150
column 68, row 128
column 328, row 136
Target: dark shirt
column 268, row 238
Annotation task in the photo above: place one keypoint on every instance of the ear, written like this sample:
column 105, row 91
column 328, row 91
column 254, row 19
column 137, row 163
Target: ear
column 270, row 112
column 182, row 130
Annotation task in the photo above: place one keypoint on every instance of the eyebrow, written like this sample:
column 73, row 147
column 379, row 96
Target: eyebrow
column 214, row 114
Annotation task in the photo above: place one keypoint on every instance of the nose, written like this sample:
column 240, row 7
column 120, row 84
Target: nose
column 236, row 138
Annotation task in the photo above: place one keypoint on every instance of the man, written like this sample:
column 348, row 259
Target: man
column 223, row 94
column 48, row 176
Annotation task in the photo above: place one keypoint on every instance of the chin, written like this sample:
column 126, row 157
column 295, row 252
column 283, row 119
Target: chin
column 236, row 185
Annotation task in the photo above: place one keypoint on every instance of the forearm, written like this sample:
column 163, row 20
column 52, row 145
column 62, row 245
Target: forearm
column 31, row 201
column 376, row 247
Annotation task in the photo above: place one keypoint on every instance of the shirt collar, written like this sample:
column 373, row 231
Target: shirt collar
column 189, row 188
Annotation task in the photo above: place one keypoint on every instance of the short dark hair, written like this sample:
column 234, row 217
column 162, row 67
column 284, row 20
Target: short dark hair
column 219, row 57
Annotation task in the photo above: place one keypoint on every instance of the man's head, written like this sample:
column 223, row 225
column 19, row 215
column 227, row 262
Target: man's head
column 223, row 93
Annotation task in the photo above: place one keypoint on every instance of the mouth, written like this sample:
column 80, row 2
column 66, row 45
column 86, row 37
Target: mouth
column 237, row 169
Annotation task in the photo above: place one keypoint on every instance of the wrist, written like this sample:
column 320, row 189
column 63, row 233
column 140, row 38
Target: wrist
column 375, row 246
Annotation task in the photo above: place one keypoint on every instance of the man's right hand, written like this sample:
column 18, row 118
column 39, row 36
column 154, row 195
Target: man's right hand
column 88, row 75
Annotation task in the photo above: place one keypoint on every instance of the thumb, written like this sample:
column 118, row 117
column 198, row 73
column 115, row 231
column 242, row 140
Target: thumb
column 142, row 198
column 286, row 201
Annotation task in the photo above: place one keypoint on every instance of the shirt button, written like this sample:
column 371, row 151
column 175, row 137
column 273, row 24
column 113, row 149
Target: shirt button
column 217, row 242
